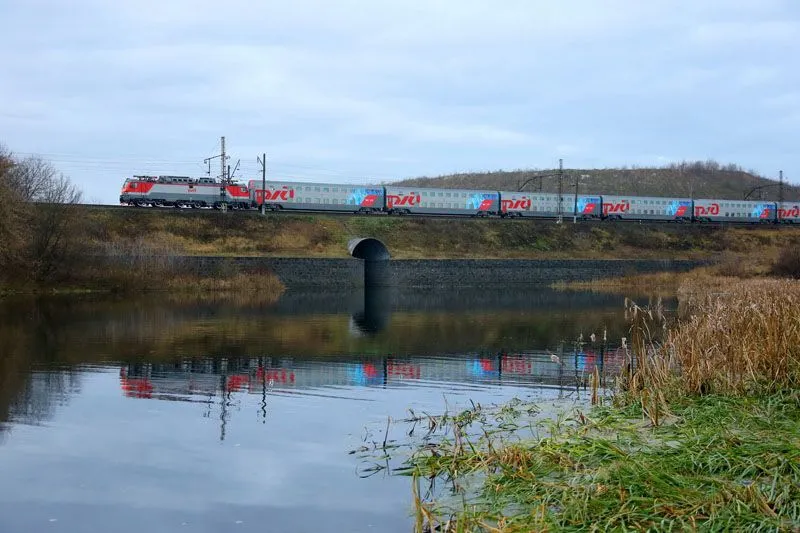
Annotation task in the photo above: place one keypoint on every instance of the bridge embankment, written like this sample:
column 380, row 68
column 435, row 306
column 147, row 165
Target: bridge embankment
column 349, row 272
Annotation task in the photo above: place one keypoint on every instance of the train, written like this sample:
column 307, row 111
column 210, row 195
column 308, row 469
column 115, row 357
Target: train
column 184, row 191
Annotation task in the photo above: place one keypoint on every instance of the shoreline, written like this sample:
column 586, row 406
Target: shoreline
column 700, row 432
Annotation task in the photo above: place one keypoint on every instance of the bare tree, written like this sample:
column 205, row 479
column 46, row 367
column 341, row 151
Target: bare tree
column 38, row 220
column 11, row 223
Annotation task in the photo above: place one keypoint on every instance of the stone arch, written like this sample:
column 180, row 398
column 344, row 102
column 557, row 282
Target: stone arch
column 368, row 249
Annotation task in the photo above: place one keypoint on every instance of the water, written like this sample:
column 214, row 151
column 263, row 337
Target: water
column 161, row 414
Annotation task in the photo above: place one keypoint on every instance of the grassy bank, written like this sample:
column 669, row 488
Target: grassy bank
column 327, row 236
column 725, row 464
column 130, row 279
column 703, row 433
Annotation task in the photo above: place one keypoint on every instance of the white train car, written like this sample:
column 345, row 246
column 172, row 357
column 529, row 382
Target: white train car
column 647, row 208
column 417, row 200
column 288, row 195
column 710, row 210
column 526, row 204
column 789, row 213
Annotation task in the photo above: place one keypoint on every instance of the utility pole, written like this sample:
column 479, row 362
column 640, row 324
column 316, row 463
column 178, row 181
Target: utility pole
column 222, row 174
column 780, row 187
column 263, row 162
column 575, row 207
column 560, row 190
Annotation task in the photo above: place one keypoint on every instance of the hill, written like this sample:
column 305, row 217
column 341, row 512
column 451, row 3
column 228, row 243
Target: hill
column 702, row 179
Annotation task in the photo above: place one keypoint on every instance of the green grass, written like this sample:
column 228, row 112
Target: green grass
column 723, row 463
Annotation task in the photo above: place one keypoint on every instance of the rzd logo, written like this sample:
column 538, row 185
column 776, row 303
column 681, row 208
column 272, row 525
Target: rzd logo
column 280, row 194
column 793, row 212
column 517, row 205
column 711, row 209
column 410, row 200
column 616, row 207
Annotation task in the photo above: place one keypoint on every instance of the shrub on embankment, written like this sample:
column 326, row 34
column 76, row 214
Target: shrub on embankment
column 788, row 263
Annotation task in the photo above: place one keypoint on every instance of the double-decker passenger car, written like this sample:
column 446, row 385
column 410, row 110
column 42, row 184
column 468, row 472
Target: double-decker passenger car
column 710, row 210
column 789, row 213
column 523, row 204
column 316, row 196
column 647, row 208
column 416, row 200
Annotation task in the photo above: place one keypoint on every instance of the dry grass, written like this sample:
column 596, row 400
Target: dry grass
column 742, row 340
column 650, row 282
column 256, row 285
column 733, row 337
column 728, row 267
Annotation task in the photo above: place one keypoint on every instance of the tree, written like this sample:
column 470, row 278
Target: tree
column 11, row 223
column 38, row 220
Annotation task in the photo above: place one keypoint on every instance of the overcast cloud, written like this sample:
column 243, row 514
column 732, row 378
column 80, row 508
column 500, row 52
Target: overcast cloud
column 361, row 91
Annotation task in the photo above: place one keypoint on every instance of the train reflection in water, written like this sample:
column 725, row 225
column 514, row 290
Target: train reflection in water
column 207, row 376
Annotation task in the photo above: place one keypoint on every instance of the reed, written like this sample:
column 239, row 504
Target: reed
column 739, row 337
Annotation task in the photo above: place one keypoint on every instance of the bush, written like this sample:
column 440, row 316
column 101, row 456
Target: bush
column 788, row 263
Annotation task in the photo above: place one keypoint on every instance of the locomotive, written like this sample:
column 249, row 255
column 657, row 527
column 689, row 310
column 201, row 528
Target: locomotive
column 182, row 191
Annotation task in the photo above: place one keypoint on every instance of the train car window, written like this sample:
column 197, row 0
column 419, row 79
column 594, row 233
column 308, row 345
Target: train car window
column 316, row 189
column 325, row 189
column 447, row 194
column 440, row 195
column 463, row 195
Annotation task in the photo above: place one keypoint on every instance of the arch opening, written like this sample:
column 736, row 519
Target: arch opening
column 368, row 249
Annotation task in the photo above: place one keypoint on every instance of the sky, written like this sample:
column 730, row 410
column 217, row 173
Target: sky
column 364, row 92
